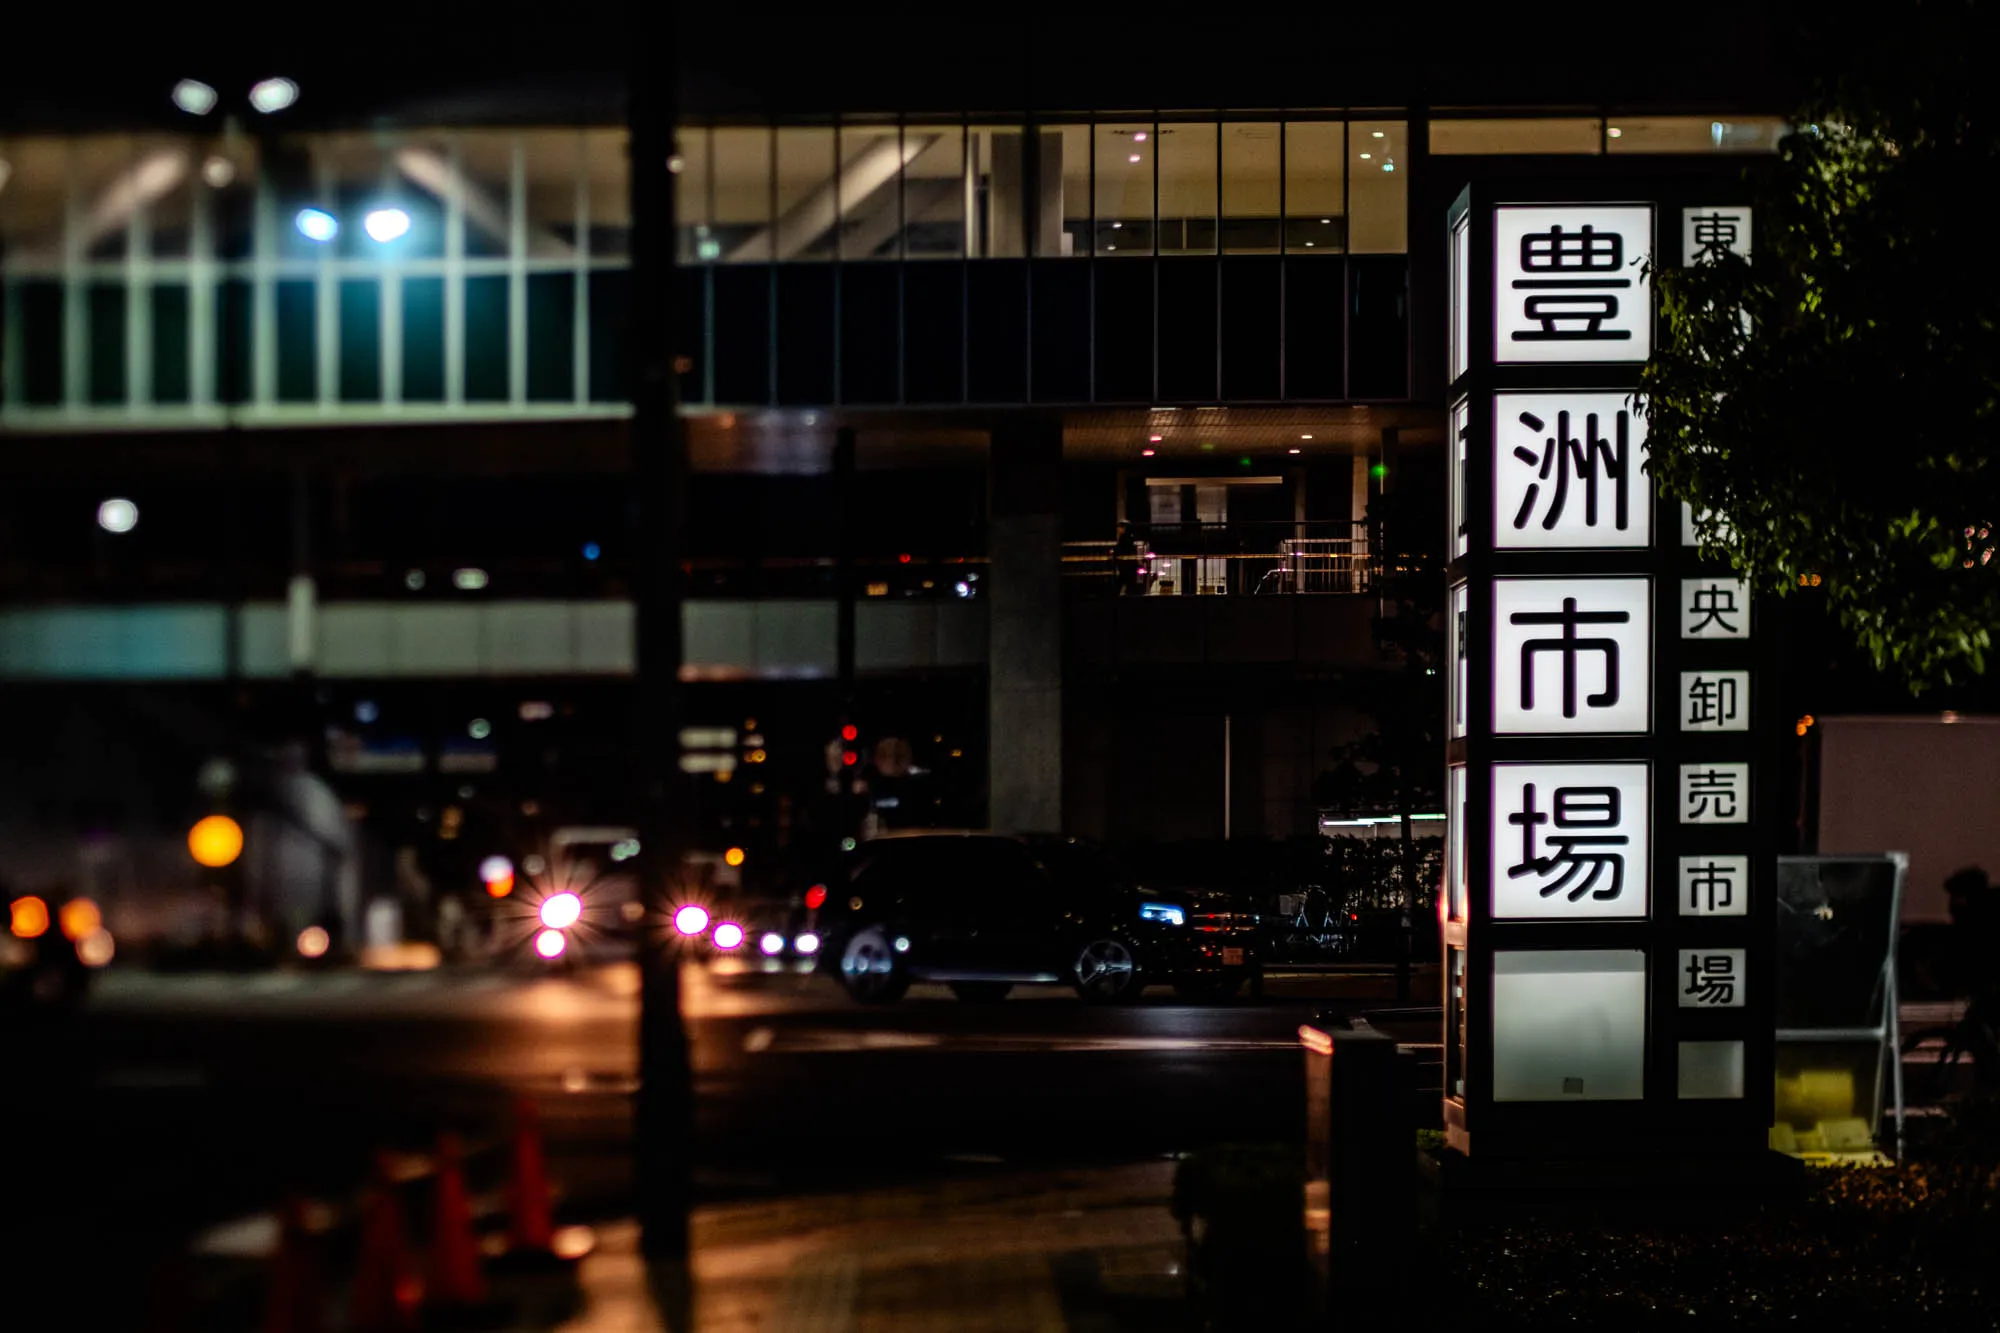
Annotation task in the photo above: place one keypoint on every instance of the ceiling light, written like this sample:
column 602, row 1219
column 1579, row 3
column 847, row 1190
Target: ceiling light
column 1156, row 438
column 1615, row 132
column 1140, row 137
column 1110, row 247
column 386, row 224
column 118, row 515
column 1366, row 156
column 1309, row 245
column 1377, row 133
column 1294, row 449
column 1305, row 437
column 274, row 95
column 1324, row 221
column 1133, row 158
column 194, row 97
column 1116, row 225
column 316, row 224
column 1147, row 453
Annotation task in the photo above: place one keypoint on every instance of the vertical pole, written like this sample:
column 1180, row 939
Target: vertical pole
column 1226, row 776
column 846, row 813
column 659, row 464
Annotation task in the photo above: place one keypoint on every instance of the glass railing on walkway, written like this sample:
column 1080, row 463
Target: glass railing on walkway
column 1224, row 559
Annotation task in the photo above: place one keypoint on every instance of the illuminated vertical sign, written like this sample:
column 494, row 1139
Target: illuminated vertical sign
column 1602, row 877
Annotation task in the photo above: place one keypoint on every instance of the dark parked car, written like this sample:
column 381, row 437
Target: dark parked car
column 984, row 913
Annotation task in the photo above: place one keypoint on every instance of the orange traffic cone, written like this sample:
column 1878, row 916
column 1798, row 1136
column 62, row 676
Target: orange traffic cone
column 530, row 1227
column 294, row 1305
column 386, row 1292
column 455, row 1276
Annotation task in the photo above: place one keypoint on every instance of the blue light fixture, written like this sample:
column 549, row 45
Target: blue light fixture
column 316, row 224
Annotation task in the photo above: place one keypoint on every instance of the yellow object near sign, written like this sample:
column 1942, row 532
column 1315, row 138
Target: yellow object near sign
column 216, row 841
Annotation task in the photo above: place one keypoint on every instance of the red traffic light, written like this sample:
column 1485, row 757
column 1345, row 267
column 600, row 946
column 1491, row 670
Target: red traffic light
column 850, row 732
column 816, row 896
column 849, row 758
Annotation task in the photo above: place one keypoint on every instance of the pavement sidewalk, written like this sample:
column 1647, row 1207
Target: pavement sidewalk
column 1085, row 1251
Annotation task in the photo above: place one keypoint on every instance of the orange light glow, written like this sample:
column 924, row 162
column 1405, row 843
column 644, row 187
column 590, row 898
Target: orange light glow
column 502, row 886
column 215, row 841
column 734, row 856
column 313, row 942
column 79, row 917
column 29, row 918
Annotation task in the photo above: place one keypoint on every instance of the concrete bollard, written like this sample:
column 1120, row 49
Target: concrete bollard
column 1361, row 1177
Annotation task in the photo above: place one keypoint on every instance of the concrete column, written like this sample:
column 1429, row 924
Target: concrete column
column 1024, row 616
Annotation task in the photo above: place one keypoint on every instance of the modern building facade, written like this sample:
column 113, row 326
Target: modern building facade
column 1099, row 415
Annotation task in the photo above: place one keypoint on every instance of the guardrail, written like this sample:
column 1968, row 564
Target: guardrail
column 1226, row 559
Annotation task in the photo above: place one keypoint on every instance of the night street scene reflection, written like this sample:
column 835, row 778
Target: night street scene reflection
column 767, row 667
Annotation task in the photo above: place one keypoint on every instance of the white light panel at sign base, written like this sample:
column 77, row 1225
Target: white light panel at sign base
column 1569, row 283
column 1572, row 656
column 1569, row 471
column 1569, row 1025
column 1571, row 841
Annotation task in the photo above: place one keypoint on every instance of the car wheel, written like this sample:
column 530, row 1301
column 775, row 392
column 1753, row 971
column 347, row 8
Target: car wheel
column 981, row 992
column 869, row 968
column 1106, row 971
column 1211, row 986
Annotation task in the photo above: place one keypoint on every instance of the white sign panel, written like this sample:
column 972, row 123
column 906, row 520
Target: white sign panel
column 1569, row 283
column 1572, row 656
column 1569, row 1025
column 1570, row 841
column 1713, row 608
column 1568, row 471
column 1715, row 701
column 1711, row 979
column 1461, row 670
column 1461, row 444
column 1455, row 872
column 1461, row 297
column 1714, row 885
column 1709, row 233
column 1715, row 793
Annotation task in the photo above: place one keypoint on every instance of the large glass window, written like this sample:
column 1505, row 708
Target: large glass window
column 808, row 197
column 871, row 191
column 937, row 192
column 1377, row 195
column 693, row 216
column 740, row 194
column 1187, row 222
column 1126, row 157
column 1315, row 187
column 1572, row 134
column 1251, row 187
column 1065, row 162
column 1694, row 134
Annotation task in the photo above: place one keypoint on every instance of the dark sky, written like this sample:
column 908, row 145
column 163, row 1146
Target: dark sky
column 113, row 64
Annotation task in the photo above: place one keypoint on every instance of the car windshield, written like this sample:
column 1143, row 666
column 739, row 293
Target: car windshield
column 1083, row 864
